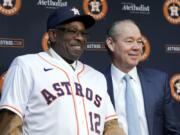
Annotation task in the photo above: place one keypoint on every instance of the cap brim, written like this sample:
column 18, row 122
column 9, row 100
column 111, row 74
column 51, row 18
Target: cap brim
column 87, row 20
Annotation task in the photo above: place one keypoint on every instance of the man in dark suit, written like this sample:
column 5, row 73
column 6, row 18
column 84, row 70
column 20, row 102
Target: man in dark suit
column 150, row 87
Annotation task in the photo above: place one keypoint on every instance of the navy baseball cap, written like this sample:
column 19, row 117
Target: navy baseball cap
column 68, row 14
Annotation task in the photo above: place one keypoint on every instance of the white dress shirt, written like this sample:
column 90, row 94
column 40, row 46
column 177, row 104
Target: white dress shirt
column 119, row 97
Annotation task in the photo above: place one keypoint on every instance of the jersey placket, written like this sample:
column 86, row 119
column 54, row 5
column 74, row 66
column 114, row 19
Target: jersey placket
column 80, row 108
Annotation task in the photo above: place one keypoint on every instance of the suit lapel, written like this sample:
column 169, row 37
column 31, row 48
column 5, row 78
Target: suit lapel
column 147, row 92
column 109, row 84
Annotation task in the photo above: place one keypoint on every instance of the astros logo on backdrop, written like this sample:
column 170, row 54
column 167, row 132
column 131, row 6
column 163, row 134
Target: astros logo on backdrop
column 171, row 11
column 175, row 87
column 146, row 49
column 95, row 8
column 10, row 7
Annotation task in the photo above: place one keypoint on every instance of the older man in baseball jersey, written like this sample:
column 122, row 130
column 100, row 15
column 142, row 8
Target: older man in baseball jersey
column 52, row 93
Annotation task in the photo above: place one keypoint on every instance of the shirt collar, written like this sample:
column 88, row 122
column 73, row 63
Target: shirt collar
column 118, row 74
column 133, row 74
column 53, row 54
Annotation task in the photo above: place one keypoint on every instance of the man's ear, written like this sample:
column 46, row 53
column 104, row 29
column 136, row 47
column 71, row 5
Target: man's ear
column 52, row 35
column 110, row 43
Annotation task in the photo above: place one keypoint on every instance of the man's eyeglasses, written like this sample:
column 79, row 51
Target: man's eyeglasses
column 73, row 32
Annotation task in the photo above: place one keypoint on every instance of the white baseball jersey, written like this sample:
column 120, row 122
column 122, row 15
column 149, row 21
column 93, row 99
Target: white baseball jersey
column 54, row 99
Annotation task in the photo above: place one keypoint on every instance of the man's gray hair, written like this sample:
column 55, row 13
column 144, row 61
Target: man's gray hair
column 112, row 31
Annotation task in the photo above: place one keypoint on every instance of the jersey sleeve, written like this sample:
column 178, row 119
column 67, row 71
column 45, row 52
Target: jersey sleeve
column 110, row 112
column 16, row 88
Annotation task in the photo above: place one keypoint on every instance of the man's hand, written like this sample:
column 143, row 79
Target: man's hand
column 112, row 128
column 10, row 123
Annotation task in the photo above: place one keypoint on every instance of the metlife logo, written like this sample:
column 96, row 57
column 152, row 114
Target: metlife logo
column 52, row 3
column 135, row 8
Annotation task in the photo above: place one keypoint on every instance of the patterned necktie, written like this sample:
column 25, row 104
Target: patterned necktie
column 131, row 109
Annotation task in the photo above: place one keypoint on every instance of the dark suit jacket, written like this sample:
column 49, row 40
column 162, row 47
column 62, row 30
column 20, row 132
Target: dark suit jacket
column 160, row 116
